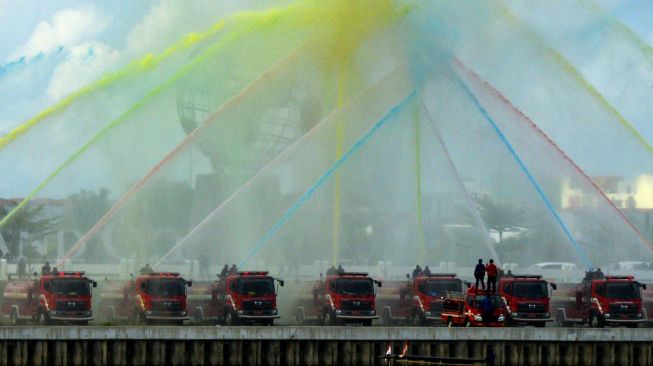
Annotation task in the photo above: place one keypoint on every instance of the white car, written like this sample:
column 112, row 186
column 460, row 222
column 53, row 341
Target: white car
column 555, row 265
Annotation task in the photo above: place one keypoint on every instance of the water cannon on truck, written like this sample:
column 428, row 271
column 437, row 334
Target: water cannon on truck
column 341, row 298
column 527, row 299
column 60, row 297
column 150, row 298
column 247, row 297
column 418, row 301
column 600, row 301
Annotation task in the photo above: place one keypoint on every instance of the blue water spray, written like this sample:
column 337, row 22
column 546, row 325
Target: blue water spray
column 531, row 178
column 311, row 190
column 24, row 61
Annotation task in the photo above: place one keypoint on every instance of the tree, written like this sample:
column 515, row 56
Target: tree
column 27, row 221
column 86, row 208
column 500, row 217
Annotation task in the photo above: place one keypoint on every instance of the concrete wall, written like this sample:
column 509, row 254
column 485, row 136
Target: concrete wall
column 316, row 345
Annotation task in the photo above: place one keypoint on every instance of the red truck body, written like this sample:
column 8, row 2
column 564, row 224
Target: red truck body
column 61, row 297
column 613, row 300
column 419, row 301
column 647, row 303
column 527, row 299
column 241, row 298
column 156, row 297
column 342, row 298
column 468, row 310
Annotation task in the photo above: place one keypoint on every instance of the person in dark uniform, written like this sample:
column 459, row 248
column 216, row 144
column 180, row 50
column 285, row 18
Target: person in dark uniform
column 45, row 270
column 224, row 272
column 146, row 270
column 22, row 269
column 417, row 271
column 479, row 274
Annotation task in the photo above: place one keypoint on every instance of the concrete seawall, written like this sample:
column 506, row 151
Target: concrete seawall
column 316, row 345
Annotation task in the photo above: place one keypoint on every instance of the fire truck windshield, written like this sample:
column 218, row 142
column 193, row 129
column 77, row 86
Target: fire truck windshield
column 256, row 286
column 70, row 287
column 622, row 290
column 496, row 301
column 434, row 288
column 530, row 290
column 345, row 286
column 165, row 287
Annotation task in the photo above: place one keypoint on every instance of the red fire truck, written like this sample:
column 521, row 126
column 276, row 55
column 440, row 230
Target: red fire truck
column 597, row 301
column 527, row 299
column 418, row 301
column 347, row 297
column 155, row 297
column 240, row 298
column 63, row 297
column 478, row 308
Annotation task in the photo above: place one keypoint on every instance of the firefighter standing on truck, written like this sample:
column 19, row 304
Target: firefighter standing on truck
column 479, row 274
column 491, row 270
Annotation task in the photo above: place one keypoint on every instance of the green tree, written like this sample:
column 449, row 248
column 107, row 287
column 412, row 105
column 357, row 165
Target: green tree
column 26, row 222
column 86, row 208
column 500, row 217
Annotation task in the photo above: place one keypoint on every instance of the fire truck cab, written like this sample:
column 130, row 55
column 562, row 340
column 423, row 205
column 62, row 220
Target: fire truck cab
column 527, row 299
column 150, row 298
column 248, row 297
column 418, row 301
column 477, row 308
column 62, row 297
column 611, row 300
column 347, row 297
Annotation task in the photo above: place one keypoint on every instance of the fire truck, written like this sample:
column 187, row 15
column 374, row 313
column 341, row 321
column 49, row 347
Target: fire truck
column 418, row 301
column 62, row 297
column 150, row 298
column 477, row 308
column 597, row 301
column 527, row 299
column 248, row 297
column 347, row 297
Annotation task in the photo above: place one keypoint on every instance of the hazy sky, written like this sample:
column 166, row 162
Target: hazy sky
column 49, row 49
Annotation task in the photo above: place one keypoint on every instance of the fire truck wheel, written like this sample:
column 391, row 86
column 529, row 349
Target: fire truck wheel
column 367, row 322
column 416, row 320
column 329, row 318
column 595, row 322
column 450, row 322
column 539, row 325
column 13, row 317
column 139, row 317
column 467, row 323
column 230, row 319
column 43, row 318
